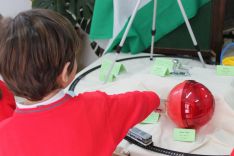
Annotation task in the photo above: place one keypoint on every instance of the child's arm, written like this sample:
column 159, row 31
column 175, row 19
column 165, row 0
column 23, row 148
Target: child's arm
column 7, row 102
column 126, row 110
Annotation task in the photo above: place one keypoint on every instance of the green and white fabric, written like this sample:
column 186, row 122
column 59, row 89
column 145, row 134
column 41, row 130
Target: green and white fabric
column 111, row 17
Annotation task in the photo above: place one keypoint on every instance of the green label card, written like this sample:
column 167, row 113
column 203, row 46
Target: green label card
column 160, row 70
column 225, row 70
column 165, row 62
column 118, row 69
column 187, row 135
column 151, row 119
column 103, row 77
column 162, row 67
column 106, row 65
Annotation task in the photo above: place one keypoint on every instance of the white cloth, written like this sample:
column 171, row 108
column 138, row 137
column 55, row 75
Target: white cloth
column 216, row 137
column 54, row 98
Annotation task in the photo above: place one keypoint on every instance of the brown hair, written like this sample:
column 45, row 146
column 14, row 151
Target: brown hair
column 34, row 47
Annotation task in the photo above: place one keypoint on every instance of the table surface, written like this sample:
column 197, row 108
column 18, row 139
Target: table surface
column 215, row 138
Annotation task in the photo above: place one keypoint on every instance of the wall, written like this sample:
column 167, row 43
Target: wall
column 13, row 7
column 87, row 55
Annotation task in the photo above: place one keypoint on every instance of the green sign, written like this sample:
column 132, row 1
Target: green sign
column 160, row 70
column 106, row 65
column 152, row 118
column 162, row 67
column 103, row 76
column 225, row 70
column 187, row 135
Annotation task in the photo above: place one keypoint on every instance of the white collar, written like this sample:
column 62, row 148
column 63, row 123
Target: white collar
column 56, row 97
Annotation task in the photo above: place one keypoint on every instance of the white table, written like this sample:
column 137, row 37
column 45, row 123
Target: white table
column 216, row 137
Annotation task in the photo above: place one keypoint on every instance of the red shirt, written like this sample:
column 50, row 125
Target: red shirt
column 7, row 102
column 90, row 124
column 232, row 154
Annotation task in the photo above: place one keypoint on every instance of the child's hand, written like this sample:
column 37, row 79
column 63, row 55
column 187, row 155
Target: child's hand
column 162, row 107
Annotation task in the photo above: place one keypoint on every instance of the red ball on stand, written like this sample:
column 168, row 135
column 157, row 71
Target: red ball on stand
column 190, row 104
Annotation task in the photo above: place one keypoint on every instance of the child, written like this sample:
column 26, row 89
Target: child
column 7, row 102
column 37, row 60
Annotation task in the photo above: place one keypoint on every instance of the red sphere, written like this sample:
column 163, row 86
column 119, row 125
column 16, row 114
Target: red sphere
column 190, row 104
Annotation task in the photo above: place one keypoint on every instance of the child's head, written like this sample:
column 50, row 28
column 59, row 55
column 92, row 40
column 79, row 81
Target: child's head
column 37, row 53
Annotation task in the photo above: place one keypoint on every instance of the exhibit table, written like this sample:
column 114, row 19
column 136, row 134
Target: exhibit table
column 215, row 138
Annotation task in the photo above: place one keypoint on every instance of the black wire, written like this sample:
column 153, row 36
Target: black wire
column 149, row 147
column 75, row 82
column 164, row 151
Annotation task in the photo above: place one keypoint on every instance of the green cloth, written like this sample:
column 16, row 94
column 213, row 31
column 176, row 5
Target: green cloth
column 102, row 20
column 168, row 18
